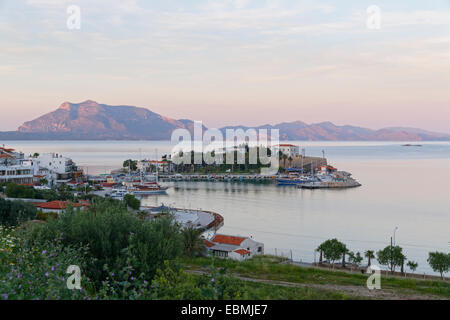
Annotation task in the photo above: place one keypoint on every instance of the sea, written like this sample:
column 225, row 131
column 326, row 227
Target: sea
column 405, row 195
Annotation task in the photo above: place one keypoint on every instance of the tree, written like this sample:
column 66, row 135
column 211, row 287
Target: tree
column 320, row 250
column 355, row 258
column 131, row 164
column 43, row 181
column 412, row 265
column 333, row 250
column 284, row 160
column 391, row 257
column 344, row 251
column 12, row 213
column 132, row 202
column 439, row 262
column 14, row 190
column 369, row 254
column 193, row 242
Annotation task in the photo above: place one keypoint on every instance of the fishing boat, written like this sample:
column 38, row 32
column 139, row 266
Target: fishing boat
column 147, row 189
column 293, row 179
column 119, row 193
column 142, row 188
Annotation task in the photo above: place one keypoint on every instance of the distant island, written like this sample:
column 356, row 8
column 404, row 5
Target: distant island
column 90, row 120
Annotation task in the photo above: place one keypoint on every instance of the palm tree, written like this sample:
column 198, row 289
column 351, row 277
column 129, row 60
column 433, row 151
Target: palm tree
column 290, row 161
column 320, row 250
column 344, row 251
column 369, row 254
column 284, row 160
column 193, row 242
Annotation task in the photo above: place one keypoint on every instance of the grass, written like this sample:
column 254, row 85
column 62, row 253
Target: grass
column 263, row 291
column 269, row 268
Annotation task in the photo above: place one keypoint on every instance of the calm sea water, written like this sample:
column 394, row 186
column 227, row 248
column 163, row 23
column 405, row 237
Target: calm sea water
column 404, row 187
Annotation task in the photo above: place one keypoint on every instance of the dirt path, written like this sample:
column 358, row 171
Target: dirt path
column 356, row 291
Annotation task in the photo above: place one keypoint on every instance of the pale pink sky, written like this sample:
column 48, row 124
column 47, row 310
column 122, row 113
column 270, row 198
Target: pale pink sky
column 231, row 62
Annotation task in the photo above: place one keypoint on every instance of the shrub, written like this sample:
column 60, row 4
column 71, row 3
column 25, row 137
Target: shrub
column 13, row 213
column 44, row 216
column 38, row 271
column 132, row 202
column 14, row 190
column 155, row 242
column 117, row 240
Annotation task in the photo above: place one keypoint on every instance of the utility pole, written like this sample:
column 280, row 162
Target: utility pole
column 392, row 257
column 396, row 228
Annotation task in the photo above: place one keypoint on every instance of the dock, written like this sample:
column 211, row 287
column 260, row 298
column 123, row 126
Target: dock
column 350, row 183
column 250, row 178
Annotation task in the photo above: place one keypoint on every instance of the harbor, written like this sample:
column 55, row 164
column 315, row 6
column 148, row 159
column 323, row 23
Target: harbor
column 286, row 217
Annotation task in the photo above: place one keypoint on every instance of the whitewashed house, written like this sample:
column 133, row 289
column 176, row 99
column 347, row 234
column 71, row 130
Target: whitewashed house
column 288, row 149
column 234, row 247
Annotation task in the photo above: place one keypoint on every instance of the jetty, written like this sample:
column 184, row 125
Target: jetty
column 349, row 183
column 251, row 178
column 202, row 220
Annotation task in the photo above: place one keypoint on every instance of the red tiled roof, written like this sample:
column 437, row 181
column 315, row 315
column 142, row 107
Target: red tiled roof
column 242, row 251
column 209, row 244
column 221, row 238
column 58, row 205
column 108, row 184
column 287, row 145
column 5, row 156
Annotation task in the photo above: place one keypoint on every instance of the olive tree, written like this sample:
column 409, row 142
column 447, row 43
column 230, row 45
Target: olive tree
column 391, row 257
column 439, row 262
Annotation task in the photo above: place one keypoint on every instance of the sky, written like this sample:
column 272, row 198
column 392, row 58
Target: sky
column 231, row 62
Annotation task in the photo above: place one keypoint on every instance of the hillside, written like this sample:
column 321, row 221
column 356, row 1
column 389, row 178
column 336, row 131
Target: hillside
column 90, row 120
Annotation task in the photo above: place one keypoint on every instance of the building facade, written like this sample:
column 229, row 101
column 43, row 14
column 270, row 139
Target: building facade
column 234, row 247
column 288, row 149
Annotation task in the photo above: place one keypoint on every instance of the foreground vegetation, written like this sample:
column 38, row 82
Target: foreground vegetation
column 123, row 256
column 120, row 257
column 270, row 268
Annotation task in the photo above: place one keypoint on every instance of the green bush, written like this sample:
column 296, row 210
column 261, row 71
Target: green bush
column 155, row 242
column 38, row 271
column 44, row 216
column 49, row 195
column 131, row 201
column 13, row 213
column 14, row 190
column 117, row 240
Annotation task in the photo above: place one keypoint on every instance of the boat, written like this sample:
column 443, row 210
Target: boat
column 294, row 179
column 142, row 188
column 119, row 193
column 147, row 189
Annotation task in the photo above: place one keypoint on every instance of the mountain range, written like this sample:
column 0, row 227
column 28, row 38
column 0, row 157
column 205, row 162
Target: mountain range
column 90, row 120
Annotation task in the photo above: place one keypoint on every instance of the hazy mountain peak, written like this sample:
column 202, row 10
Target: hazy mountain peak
column 90, row 120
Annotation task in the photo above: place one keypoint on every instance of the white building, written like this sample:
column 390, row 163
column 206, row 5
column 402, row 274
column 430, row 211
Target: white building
column 12, row 169
column 233, row 247
column 59, row 206
column 288, row 149
column 16, row 173
column 153, row 166
column 57, row 168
